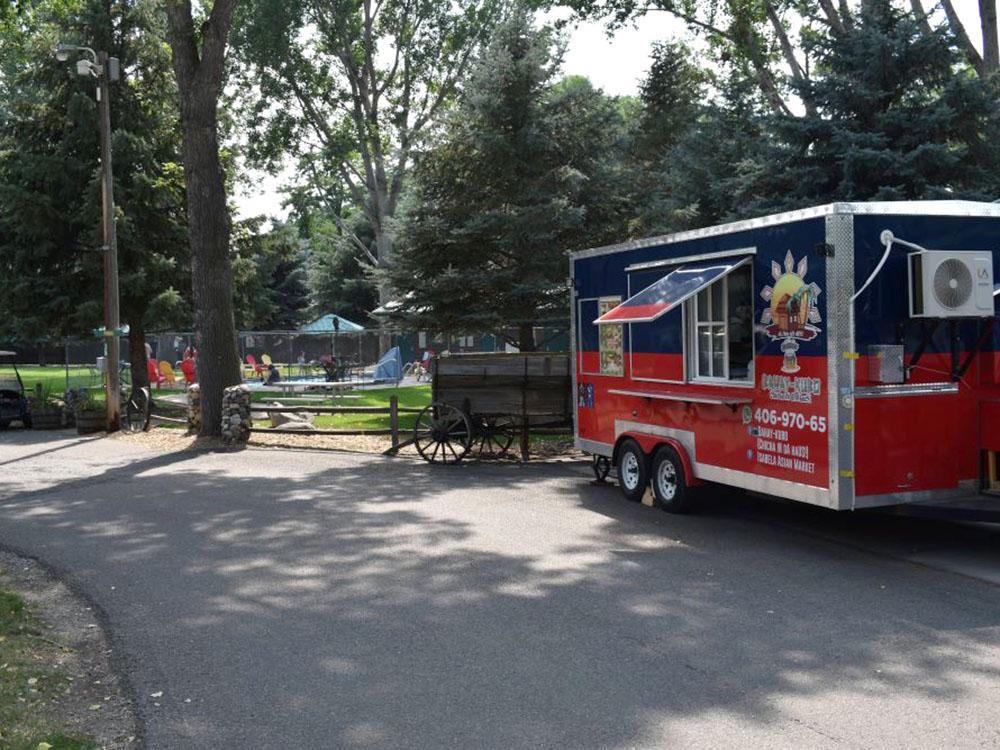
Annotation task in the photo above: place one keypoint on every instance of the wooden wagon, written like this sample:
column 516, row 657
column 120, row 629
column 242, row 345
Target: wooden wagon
column 482, row 402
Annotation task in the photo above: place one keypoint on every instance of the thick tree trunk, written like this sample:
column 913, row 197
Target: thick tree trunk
column 200, row 79
column 526, row 337
column 991, row 45
column 137, row 352
column 211, row 273
column 383, row 249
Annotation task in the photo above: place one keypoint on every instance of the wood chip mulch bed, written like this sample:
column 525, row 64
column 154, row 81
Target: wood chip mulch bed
column 171, row 440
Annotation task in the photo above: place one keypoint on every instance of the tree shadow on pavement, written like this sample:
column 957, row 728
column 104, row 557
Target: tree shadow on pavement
column 357, row 601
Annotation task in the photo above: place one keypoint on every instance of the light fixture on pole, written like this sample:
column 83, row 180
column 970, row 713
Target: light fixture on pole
column 106, row 70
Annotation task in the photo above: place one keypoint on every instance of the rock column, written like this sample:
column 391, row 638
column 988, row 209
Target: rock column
column 236, row 421
column 194, row 408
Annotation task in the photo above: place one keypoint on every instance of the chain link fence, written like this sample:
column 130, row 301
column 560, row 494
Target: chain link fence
column 296, row 354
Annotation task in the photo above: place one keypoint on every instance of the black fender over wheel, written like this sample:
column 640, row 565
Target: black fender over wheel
column 633, row 470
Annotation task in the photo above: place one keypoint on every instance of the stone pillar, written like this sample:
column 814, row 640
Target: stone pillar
column 236, row 421
column 194, row 408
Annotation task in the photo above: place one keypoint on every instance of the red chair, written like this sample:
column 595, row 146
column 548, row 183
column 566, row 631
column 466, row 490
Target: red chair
column 187, row 367
column 153, row 373
column 257, row 369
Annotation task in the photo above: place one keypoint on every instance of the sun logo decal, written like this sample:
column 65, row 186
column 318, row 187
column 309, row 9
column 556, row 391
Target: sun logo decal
column 792, row 314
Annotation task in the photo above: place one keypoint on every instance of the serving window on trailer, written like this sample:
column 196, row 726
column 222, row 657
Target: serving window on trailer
column 803, row 355
column 712, row 321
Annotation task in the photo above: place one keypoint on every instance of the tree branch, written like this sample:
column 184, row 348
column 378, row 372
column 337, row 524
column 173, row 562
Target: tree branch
column 921, row 15
column 833, row 18
column 968, row 48
column 180, row 36
column 765, row 80
column 798, row 74
column 341, row 224
column 214, row 36
column 991, row 45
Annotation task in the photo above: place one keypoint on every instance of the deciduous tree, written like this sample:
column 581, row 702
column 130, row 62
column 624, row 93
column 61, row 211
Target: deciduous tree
column 349, row 88
column 199, row 57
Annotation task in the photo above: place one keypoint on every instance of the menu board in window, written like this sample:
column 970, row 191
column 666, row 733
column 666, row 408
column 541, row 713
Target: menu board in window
column 611, row 344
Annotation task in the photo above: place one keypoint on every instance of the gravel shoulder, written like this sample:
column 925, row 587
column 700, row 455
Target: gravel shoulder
column 89, row 697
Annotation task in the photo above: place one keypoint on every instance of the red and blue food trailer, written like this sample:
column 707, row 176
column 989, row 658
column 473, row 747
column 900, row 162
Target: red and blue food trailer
column 844, row 355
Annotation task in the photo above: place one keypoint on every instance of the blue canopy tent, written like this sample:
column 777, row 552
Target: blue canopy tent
column 332, row 324
column 390, row 367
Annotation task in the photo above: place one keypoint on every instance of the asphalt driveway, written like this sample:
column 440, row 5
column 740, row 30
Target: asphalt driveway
column 296, row 599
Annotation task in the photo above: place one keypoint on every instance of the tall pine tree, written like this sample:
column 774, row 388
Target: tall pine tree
column 50, row 203
column 271, row 290
column 897, row 116
column 527, row 169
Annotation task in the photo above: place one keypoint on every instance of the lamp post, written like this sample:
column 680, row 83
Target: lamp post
column 106, row 70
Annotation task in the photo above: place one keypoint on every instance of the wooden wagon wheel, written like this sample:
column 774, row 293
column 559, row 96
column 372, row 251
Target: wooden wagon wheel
column 442, row 434
column 495, row 435
column 137, row 411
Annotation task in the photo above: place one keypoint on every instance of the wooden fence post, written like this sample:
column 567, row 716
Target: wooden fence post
column 394, row 421
column 525, row 436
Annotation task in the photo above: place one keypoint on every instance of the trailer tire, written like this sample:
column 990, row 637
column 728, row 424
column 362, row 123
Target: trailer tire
column 633, row 471
column 670, row 487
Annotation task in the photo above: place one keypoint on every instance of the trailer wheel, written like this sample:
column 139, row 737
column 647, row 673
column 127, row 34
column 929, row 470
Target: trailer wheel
column 669, row 483
column 633, row 471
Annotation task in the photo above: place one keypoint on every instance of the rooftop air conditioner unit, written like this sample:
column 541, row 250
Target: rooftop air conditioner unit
column 951, row 284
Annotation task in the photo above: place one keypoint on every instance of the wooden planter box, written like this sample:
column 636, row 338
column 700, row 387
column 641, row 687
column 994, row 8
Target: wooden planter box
column 46, row 420
column 90, row 421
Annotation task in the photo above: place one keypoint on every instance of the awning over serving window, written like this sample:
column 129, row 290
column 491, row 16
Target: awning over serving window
column 670, row 291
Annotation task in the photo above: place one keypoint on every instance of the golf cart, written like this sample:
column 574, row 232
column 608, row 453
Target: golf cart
column 13, row 402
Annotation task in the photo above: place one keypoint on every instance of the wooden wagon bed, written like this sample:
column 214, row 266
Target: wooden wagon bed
column 483, row 401
column 525, row 385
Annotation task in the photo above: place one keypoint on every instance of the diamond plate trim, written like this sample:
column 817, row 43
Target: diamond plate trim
column 840, row 369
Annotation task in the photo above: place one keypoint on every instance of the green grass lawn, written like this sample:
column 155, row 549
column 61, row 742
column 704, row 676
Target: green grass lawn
column 29, row 681
column 53, row 378
column 417, row 396
column 414, row 396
